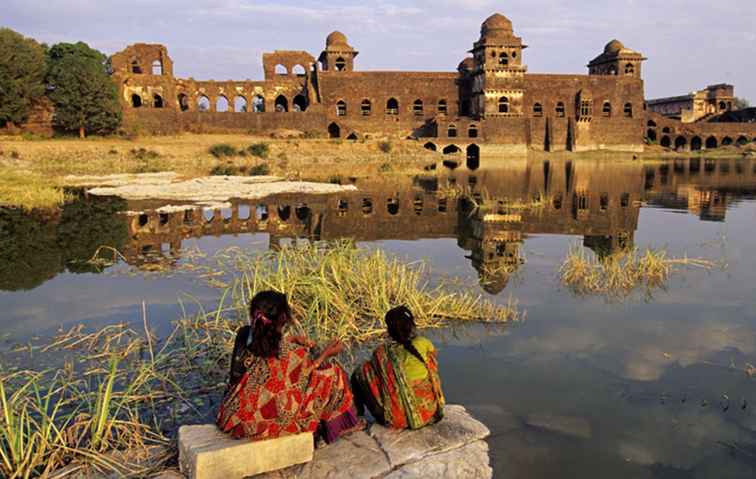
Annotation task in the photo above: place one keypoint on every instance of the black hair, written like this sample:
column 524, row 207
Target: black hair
column 400, row 324
column 268, row 312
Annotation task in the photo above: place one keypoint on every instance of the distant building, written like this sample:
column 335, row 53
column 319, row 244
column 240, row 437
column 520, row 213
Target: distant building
column 712, row 100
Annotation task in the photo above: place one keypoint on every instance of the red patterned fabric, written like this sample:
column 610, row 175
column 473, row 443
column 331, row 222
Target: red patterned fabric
column 284, row 395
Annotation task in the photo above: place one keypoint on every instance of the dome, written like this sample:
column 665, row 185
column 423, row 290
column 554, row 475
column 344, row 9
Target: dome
column 466, row 64
column 495, row 25
column 613, row 47
column 336, row 38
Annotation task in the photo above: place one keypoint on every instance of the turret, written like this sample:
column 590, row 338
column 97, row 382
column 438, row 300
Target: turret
column 338, row 55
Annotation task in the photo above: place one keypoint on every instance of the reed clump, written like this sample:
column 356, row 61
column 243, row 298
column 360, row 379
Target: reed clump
column 621, row 273
column 122, row 390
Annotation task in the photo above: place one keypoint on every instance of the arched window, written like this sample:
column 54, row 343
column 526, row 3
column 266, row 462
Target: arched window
column 135, row 68
column 722, row 105
column 299, row 103
column 450, row 150
column 298, row 70
column 680, row 142
column 472, row 131
column 695, row 143
column 711, row 142
column 726, row 141
column 366, row 107
column 451, row 131
column 157, row 101
column 651, row 135
column 430, row 146
column 334, row 131
column 606, row 110
column 560, row 109
column 282, row 104
column 503, row 59
column 203, row 103
column 183, row 101
column 417, row 107
column 340, row 64
column 473, row 157
column 136, row 100
column 537, row 109
column 281, row 70
column 612, row 70
column 240, row 104
column 258, row 104
column 628, row 111
column 157, row 67
column 666, row 129
column 503, row 105
column 221, row 104
column 442, row 107
column 665, row 142
column 392, row 106
column 341, row 108
column 629, row 69
column 651, row 124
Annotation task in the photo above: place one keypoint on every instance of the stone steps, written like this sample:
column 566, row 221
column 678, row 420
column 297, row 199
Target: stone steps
column 453, row 448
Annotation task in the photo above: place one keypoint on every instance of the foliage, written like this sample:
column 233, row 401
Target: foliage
column 221, row 150
column 260, row 169
column 619, row 274
column 225, row 169
column 144, row 154
column 85, row 97
column 22, row 75
column 741, row 103
column 260, row 150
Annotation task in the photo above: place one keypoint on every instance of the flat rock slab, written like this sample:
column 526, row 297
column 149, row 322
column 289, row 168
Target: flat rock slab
column 453, row 448
column 217, row 189
column 207, row 453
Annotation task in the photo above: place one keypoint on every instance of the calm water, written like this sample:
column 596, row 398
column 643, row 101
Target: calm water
column 653, row 386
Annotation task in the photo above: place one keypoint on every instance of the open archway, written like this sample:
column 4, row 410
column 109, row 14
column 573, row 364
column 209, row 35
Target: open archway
column 334, row 131
column 473, row 157
column 711, row 142
column 430, row 146
column 221, row 104
column 665, row 142
column 183, row 101
column 282, row 104
column 651, row 135
column 258, row 104
column 281, row 70
column 299, row 70
column 450, row 149
column 157, row 101
column 680, row 142
column 726, row 141
column 299, row 103
column 695, row 143
column 136, row 101
column 392, row 106
column 240, row 104
column 203, row 103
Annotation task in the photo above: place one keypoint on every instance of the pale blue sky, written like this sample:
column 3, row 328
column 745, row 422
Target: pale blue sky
column 689, row 43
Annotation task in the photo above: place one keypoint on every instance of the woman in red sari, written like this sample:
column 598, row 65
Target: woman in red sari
column 278, row 386
column 400, row 384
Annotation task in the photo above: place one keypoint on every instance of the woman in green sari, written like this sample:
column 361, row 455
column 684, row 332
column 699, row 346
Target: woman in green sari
column 400, row 385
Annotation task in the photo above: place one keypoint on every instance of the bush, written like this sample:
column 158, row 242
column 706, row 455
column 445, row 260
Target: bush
column 224, row 170
column 221, row 150
column 144, row 154
column 335, row 179
column 261, row 169
column 385, row 167
column 259, row 150
column 385, row 146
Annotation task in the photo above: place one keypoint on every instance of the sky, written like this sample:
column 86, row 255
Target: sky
column 689, row 43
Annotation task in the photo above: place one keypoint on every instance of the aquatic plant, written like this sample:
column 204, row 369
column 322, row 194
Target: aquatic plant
column 621, row 273
column 29, row 190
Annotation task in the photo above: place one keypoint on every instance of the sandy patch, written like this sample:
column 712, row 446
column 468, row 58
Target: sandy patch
column 216, row 189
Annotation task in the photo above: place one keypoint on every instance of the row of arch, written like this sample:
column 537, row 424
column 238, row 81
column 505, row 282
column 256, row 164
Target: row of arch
column 240, row 103
column 392, row 107
column 157, row 67
column 696, row 143
column 560, row 111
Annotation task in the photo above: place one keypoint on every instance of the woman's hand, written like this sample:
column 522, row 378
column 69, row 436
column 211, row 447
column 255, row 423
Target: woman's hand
column 333, row 348
column 303, row 341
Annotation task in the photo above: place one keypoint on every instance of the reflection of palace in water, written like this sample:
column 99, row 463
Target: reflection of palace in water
column 490, row 212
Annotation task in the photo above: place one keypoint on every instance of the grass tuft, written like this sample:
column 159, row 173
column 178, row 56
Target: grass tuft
column 222, row 150
column 260, row 150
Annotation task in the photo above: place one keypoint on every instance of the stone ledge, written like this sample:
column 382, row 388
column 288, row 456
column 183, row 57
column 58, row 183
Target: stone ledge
column 207, row 453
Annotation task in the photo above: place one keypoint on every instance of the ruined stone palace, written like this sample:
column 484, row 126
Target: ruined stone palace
column 490, row 99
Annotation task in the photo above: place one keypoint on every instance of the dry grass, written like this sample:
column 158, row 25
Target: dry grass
column 49, row 160
column 29, row 190
column 127, row 386
column 619, row 274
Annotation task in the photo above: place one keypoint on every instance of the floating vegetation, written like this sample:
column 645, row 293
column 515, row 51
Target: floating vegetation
column 122, row 392
column 619, row 274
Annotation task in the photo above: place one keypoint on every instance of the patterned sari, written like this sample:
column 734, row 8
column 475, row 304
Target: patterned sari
column 285, row 395
column 392, row 397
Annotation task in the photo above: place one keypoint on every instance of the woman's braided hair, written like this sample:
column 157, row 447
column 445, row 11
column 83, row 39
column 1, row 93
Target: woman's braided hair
column 401, row 327
column 268, row 314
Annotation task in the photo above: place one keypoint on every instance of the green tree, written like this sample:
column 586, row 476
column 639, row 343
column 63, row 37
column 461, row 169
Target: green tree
column 85, row 97
column 22, row 75
column 741, row 103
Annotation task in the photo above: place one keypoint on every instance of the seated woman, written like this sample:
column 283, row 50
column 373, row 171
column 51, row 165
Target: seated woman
column 400, row 384
column 278, row 387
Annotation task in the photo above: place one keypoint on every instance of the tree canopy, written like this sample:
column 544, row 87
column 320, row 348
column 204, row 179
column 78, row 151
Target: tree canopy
column 85, row 97
column 741, row 103
column 22, row 75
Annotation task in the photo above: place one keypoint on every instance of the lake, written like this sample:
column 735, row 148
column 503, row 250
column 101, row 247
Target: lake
column 653, row 385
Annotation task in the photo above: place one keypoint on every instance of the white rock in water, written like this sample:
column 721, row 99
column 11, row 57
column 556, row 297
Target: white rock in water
column 207, row 453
